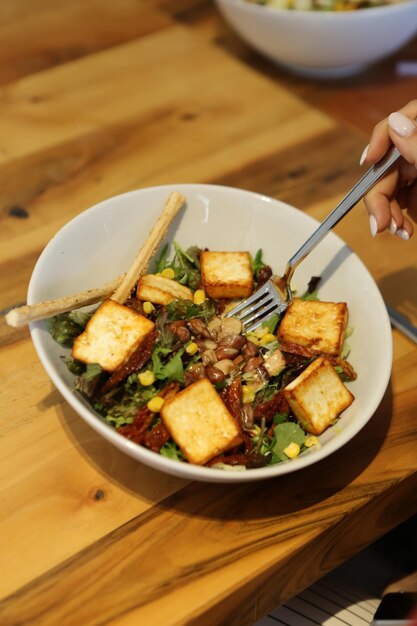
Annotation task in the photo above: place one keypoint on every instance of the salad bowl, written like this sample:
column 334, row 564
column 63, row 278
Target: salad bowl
column 100, row 244
column 322, row 44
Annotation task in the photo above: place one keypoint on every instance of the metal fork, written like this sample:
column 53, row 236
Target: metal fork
column 275, row 295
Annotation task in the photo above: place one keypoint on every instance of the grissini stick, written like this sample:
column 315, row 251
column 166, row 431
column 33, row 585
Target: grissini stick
column 140, row 264
column 115, row 289
column 34, row 312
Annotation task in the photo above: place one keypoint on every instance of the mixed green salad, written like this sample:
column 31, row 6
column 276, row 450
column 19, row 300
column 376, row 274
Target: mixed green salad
column 323, row 5
column 193, row 340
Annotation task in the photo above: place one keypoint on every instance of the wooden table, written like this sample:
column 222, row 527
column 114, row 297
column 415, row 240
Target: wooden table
column 98, row 97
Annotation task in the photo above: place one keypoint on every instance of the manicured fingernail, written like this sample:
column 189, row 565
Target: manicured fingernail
column 403, row 234
column 401, row 124
column 364, row 155
column 393, row 227
column 373, row 225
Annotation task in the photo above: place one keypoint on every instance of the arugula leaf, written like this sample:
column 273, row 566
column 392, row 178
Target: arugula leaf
column 161, row 262
column 65, row 327
column 171, row 451
column 172, row 370
column 186, row 309
column 257, row 262
column 88, row 381
column 284, row 434
column 74, row 366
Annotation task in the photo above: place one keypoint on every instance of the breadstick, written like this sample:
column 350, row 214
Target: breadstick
column 118, row 290
column 33, row 312
column 140, row 264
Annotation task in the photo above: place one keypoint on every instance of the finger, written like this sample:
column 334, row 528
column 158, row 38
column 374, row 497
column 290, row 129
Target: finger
column 379, row 209
column 403, row 132
column 378, row 203
column 397, row 217
column 381, row 140
column 378, row 145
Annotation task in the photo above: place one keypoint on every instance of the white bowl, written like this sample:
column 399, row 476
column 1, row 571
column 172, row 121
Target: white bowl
column 323, row 44
column 101, row 242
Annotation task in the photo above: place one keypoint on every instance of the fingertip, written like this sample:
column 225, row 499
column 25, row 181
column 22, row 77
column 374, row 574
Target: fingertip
column 364, row 155
column 373, row 225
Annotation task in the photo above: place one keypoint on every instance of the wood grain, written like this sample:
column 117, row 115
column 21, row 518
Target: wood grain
column 109, row 97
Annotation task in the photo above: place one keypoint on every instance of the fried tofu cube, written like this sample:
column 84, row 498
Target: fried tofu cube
column 161, row 290
column 317, row 396
column 317, row 325
column 200, row 423
column 111, row 336
column 226, row 274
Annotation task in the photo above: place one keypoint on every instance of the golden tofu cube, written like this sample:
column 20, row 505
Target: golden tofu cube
column 317, row 396
column 161, row 290
column 317, row 325
column 111, row 336
column 200, row 423
column 226, row 274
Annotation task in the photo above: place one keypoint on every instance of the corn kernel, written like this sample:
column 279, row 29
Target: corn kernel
column 292, row 450
column 146, row 378
column 310, row 441
column 168, row 272
column 148, row 307
column 248, row 394
column 191, row 348
column 199, row 296
column 155, row 404
column 268, row 338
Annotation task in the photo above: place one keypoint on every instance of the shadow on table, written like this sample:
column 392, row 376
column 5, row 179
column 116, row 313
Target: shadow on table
column 281, row 496
column 399, row 290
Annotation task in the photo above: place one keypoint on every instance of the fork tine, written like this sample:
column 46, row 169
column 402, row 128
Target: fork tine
column 254, row 299
column 259, row 316
column 258, row 305
column 263, row 303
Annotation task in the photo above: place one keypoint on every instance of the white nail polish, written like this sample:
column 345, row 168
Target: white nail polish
column 403, row 234
column 364, row 155
column 401, row 124
column 393, row 227
column 373, row 225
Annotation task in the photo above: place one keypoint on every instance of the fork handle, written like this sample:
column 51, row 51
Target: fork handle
column 357, row 192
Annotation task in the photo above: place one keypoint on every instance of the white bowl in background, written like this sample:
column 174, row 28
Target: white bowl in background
column 100, row 243
column 323, row 44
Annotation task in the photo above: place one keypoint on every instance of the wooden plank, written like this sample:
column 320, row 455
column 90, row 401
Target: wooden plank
column 359, row 101
column 60, row 32
column 101, row 148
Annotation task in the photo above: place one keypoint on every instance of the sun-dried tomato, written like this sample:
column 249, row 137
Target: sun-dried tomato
column 156, row 437
column 232, row 397
column 268, row 408
column 135, row 363
column 137, row 430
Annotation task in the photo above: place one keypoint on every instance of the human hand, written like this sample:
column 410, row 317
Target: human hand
column 392, row 202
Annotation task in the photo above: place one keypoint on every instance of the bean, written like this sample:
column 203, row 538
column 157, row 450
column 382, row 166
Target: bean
column 214, row 374
column 249, row 350
column 180, row 330
column 230, row 326
column 194, row 373
column 208, row 357
column 197, row 327
column 214, row 326
column 232, row 341
column 247, row 416
column 226, row 353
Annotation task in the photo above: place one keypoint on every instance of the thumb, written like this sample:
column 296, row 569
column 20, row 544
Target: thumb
column 403, row 132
